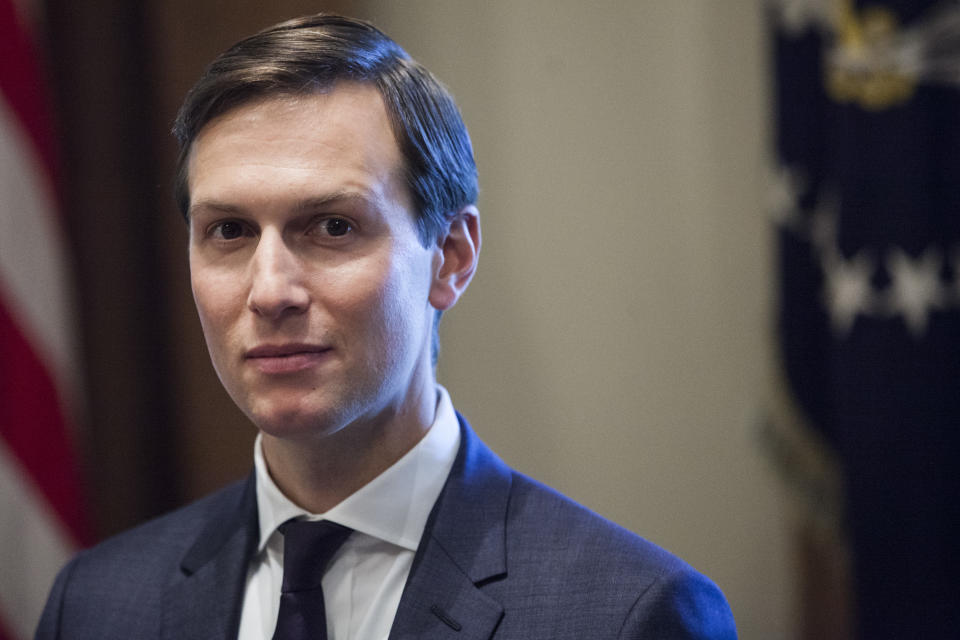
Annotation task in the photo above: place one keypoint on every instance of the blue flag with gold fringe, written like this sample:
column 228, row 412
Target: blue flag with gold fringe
column 867, row 99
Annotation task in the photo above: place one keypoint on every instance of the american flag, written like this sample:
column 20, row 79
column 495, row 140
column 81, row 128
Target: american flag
column 41, row 512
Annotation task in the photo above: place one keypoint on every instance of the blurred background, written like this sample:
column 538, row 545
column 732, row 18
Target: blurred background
column 716, row 300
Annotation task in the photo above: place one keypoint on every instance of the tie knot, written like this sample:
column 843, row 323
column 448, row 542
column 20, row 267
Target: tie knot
column 307, row 549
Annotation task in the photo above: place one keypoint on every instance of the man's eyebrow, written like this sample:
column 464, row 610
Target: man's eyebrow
column 212, row 205
column 306, row 205
column 337, row 197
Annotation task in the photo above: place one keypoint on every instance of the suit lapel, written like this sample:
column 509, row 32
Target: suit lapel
column 203, row 600
column 464, row 546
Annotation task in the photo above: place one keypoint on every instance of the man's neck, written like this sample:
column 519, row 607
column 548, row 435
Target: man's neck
column 319, row 475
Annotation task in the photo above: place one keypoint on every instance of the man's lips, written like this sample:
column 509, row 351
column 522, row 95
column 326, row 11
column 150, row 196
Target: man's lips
column 285, row 358
column 284, row 350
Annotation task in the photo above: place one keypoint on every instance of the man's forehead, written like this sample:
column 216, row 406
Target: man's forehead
column 356, row 101
column 350, row 117
column 342, row 137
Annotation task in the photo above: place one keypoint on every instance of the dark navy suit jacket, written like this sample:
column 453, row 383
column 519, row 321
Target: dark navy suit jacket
column 502, row 558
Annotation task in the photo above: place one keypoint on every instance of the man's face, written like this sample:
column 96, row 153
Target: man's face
column 310, row 280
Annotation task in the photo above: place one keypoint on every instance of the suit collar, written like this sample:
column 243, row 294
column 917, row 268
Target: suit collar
column 205, row 597
column 463, row 548
column 469, row 519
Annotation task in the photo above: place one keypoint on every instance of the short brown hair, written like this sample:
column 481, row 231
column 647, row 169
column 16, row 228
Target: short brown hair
column 310, row 54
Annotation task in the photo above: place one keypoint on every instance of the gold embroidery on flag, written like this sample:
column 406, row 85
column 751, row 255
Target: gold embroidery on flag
column 864, row 65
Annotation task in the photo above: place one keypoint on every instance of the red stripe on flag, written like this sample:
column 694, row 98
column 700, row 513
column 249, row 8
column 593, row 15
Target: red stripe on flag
column 33, row 425
column 32, row 420
column 21, row 81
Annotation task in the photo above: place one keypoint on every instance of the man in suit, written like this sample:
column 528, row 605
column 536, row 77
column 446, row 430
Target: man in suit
column 329, row 187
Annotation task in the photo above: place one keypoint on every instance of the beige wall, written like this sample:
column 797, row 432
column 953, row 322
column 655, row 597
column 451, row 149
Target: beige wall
column 615, row 341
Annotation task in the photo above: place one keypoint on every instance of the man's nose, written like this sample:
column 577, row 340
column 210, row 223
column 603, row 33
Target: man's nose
column 277, row 285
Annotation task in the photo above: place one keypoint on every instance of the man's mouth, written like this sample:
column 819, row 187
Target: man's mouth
column 285, row 358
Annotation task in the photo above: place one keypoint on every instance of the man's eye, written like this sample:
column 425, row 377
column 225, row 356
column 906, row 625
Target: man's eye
column 335, row 226
column 229, row 230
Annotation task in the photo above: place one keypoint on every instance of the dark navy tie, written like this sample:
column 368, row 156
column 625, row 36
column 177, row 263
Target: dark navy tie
column 307, row 548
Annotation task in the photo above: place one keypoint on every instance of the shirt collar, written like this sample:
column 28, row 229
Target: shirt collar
column 395, row 505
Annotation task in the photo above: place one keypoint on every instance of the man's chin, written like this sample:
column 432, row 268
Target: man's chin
column 296, row 423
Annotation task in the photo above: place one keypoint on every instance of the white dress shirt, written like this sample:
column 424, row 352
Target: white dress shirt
column 365, row 578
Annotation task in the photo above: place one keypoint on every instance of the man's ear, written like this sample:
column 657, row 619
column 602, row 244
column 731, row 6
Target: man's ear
column 456, row 259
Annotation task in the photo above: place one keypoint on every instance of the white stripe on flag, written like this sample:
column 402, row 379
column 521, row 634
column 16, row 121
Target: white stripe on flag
column 33, row 271
column 33, row 565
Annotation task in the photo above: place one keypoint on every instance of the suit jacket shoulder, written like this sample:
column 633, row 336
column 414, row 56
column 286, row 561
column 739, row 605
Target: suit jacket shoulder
column 506, row 557
column 124, row 587
column 610, row 578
